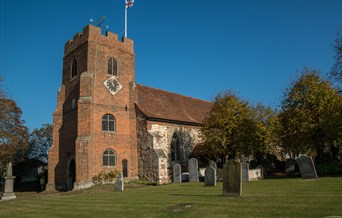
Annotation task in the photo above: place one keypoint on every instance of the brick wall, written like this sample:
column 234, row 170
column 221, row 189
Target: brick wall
column 77, row 132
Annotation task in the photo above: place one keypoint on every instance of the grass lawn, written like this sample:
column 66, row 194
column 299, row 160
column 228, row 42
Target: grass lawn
column 265, row 198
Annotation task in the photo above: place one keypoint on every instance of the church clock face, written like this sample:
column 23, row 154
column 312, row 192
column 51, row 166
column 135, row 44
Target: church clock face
column 113, row 85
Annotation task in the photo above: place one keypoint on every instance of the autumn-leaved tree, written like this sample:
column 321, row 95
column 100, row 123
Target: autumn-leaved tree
column 336, row 71
column 311, row 116
column 268, row 127
column 230, row 128
column 40, row 141
column 13, row 133
column 2, row 90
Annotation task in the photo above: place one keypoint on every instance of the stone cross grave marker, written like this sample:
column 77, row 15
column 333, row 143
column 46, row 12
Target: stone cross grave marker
column 193, row 170
column 245, row 171
column 213, row 164
column 120, row 183
column 9, row 179
column 232, row 179
column 307, row 167
column 210, row 176
column 177, row 173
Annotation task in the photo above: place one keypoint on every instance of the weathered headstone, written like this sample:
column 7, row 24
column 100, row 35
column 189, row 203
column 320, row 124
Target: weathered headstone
column 213, row 164
column 261, row 168
column 193, row 170
column 307, row 167
column 245, row 171
column 290, row 166
column 255, row 174
column 232, row 178
column 177, row 173
column 185, row 177
column 210, row 176
column 120, row 183
column 9, row 179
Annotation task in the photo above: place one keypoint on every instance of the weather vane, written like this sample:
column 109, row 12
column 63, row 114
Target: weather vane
column 99, row 22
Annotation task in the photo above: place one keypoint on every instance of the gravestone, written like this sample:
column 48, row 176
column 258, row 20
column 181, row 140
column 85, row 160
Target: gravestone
column 193, row 170
column 210, row 176
column 232, row 179
column 177, row 173
column 245, row 171
column 185, row 177
column 213, row 164
column 255, row 174
column 120, row 183
column 290, row 165
column 261, row 168
column 9, row 179
column 307, row 167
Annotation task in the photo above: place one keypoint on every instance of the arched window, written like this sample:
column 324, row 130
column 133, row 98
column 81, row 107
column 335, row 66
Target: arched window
column 176, row 149
column 109, row 159
column 74, row 68
column 112, row 67
column 108, row 123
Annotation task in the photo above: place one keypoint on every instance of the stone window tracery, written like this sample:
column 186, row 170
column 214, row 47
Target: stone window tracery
column 176, row 149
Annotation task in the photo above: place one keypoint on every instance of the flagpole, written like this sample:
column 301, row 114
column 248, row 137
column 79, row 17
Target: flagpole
column 125, row 18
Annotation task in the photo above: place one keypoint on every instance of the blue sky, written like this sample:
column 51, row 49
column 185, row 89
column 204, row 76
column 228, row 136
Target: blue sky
column 195, row 47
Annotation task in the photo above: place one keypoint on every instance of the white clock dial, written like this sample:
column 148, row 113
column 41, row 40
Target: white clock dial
column 113, row 85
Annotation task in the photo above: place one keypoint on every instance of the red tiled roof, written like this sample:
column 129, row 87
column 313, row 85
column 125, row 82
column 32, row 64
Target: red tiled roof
column 159, row 104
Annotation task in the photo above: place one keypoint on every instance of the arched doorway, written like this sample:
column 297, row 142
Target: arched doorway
column 71, row 175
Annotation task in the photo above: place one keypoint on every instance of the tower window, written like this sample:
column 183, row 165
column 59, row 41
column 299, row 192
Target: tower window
column 108, row 123
column 73, row 104
column 109, row 158
column 112, row 67
column 74, row 68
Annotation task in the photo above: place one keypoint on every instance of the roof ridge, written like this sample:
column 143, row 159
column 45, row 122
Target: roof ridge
column 174, row 93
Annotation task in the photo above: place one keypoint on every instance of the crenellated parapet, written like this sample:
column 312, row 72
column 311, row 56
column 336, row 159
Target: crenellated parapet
column 92, row 34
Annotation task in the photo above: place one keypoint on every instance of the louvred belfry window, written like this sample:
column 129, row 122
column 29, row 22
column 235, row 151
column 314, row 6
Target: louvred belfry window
column 112, row 67
column 74, row 68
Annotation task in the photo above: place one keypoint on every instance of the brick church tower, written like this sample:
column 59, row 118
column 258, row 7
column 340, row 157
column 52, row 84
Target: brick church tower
column 94, row 125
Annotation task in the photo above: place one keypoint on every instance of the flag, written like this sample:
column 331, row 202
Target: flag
column 129, row 3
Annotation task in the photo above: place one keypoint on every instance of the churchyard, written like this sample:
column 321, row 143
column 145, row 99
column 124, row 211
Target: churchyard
column 281, row 197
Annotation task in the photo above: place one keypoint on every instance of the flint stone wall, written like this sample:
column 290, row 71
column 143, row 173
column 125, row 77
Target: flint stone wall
column 154, row 147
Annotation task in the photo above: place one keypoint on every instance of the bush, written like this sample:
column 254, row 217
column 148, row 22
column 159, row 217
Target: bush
column 329, row 168
column 105, row 178
column 219, row 175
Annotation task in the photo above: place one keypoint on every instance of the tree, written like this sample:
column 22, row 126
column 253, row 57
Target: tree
column 268, row 127
column 13, row 133
column 230, row 129
column 311, row 116
column 336, row 71
column 40, row 141
column 2, row 90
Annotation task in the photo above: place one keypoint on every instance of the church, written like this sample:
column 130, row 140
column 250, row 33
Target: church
column 105, row 121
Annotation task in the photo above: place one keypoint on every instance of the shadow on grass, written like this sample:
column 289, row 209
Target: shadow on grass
column 298, row 176
column 179, row 207
column 193, row 195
